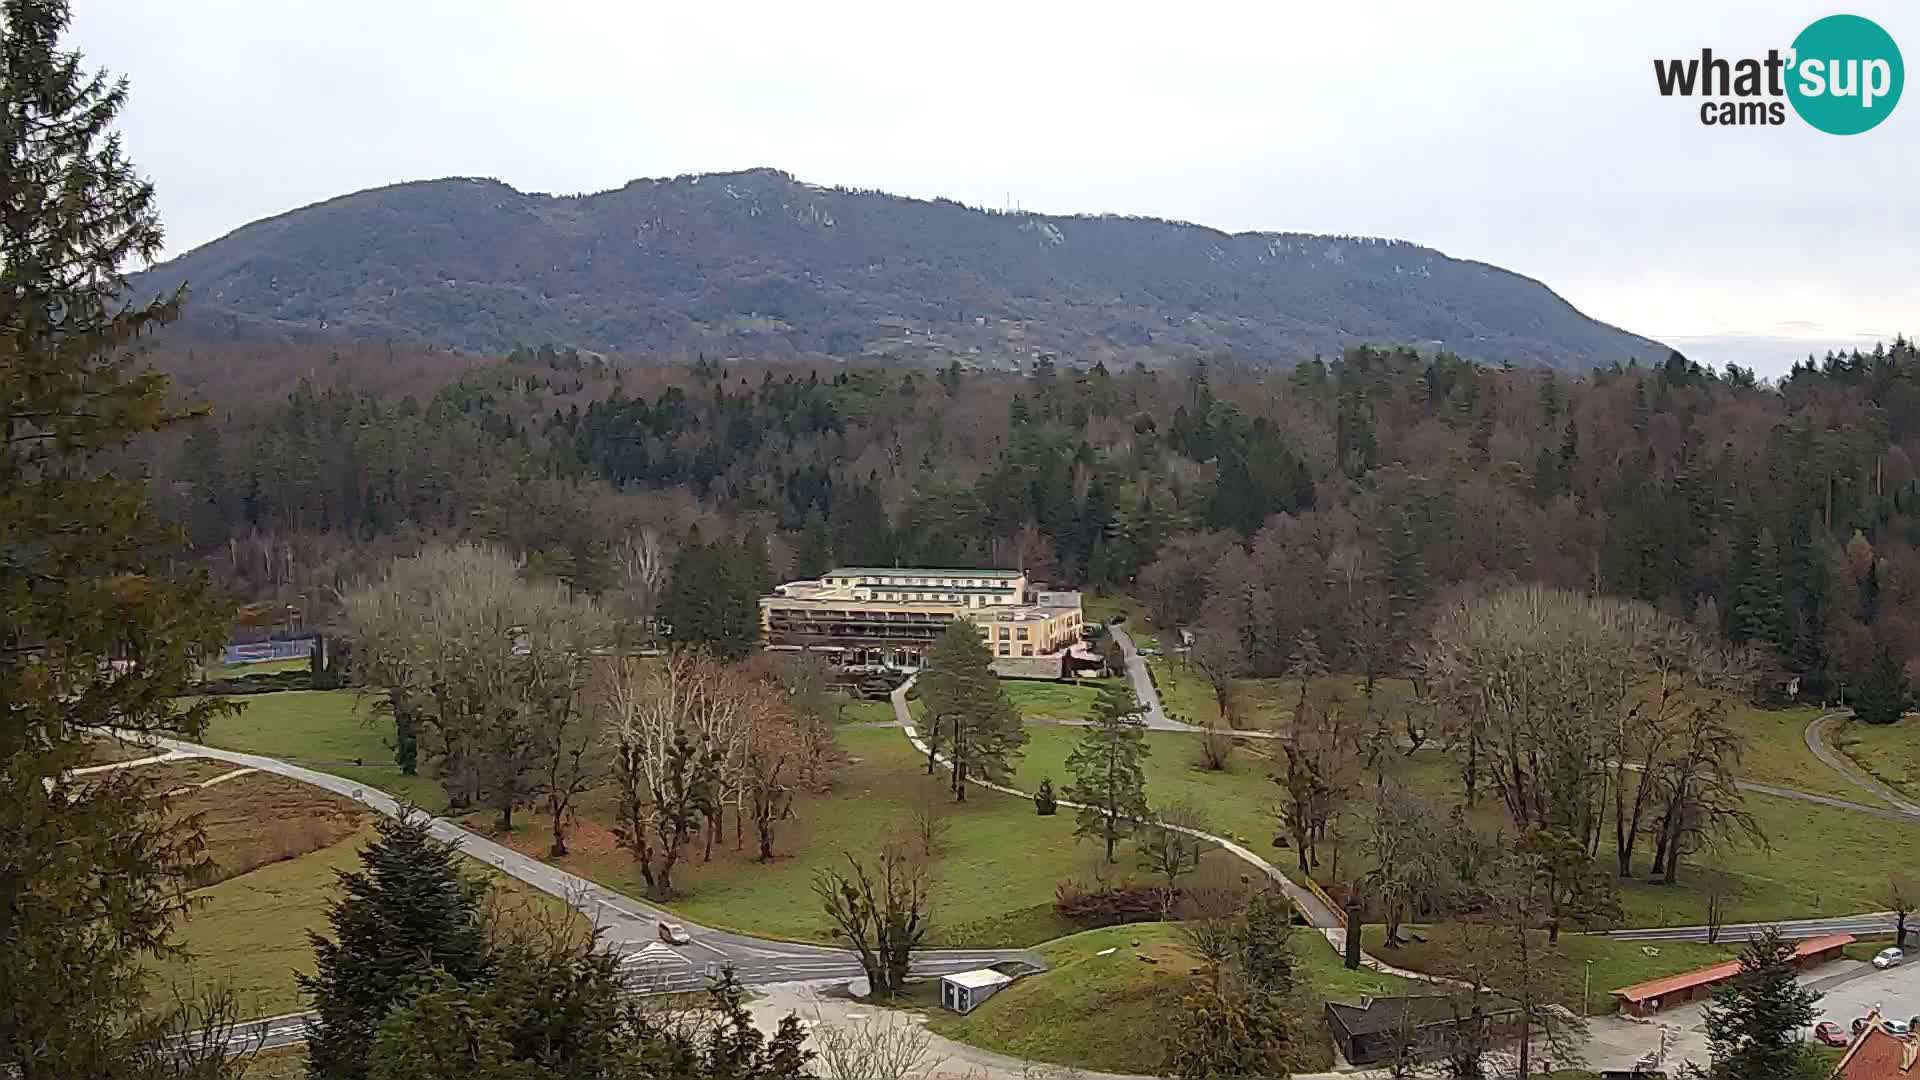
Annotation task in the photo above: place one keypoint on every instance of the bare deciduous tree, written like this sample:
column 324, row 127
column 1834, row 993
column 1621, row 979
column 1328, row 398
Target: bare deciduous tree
column 883, row 912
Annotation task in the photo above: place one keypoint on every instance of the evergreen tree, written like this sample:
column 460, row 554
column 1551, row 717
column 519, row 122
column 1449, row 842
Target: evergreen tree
column 984, row 733
column 1758, row 610
column 408, row 919
column 814, row 556
column 1109, row 781
column 712, row 598
column 1753, row 1025
column 1883, row 694
column 100, row 624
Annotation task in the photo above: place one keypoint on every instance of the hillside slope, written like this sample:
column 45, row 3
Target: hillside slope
column 759, row 262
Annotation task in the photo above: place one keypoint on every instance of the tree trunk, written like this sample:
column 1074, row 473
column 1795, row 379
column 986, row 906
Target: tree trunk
column 559, row 846
column 1354, row 914
column 506, row 817
column 1900, row 930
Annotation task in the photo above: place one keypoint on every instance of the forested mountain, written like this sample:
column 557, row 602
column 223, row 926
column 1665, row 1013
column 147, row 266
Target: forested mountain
column 1346, row 500
column 757, row 263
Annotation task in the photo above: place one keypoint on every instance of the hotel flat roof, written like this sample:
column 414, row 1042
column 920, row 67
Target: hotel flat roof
column 919, row 571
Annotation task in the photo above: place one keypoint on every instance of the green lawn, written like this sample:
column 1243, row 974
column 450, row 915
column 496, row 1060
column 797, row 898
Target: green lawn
column 1821, row 860
column 1616, row 964
column 1238, row 802
column 1889, row 752
column 330, row 730
column 1050, row 700
column 866, row 712
column 1777, row 753
column 1109, row 1012
column 994, row 878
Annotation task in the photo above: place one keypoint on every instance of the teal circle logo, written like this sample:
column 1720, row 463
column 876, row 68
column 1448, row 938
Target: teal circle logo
column 1846, row 75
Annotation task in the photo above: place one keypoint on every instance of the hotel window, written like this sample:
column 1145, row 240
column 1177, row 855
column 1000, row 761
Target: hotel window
column 1004, row 651
column 1023, row 633
column 1026, row 650
column 1003, row 633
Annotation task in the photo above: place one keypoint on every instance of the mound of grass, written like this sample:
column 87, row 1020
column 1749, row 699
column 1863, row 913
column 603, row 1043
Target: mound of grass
column 1110, row 1012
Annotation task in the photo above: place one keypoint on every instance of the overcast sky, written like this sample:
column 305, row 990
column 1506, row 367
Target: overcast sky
column 1522, row 134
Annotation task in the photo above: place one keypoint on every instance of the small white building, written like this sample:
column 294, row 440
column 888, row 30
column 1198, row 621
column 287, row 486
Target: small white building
column 963, row 992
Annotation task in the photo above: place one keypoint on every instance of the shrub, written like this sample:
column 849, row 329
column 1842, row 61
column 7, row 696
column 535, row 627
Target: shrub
column 1109, row 905
column 1044, row 802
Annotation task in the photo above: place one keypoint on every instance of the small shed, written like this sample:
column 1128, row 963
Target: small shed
column 963, row 991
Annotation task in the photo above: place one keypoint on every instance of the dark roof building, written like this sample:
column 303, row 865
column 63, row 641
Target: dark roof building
column 1418, row 1025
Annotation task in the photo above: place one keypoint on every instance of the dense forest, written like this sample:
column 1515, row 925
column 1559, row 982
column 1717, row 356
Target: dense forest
column 1348, row 499
column 757, row 262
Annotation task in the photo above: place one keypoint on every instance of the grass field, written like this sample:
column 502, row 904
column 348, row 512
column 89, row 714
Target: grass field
column 1616, row 964
column 1890, row 752
column 1777, row 753
column 866, row 712
column 331, row 730
column 1237, row 802
column 1050, row 700
column 995, row 873
column 1821, row 860
column 1109, row 1012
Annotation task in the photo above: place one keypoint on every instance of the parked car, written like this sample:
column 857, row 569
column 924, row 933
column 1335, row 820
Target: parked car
column 1902, row 1028
column 673, row 933
column 1889, row 957
column 1828, row 1033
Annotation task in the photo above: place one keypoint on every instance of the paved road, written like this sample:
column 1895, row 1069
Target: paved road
column 1872, row 923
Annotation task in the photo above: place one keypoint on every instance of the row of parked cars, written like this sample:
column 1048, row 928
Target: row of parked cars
column 1831, row 1034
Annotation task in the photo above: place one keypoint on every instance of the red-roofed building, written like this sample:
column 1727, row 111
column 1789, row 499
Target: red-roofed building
column 1876, row 1055
column 1650, row 997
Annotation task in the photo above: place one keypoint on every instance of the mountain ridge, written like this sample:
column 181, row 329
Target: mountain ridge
column 757, row 261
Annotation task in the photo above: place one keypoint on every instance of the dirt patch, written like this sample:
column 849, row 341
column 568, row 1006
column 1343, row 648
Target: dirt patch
column 260, row 819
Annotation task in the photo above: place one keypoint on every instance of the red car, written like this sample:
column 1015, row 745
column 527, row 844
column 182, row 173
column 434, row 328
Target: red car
column 1828, row 1033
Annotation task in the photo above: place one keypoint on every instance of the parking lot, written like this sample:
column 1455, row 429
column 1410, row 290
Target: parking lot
column 1849, row 989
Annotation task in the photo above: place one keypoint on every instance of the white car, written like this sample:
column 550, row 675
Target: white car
column 674, row 933
column 1887, row 958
